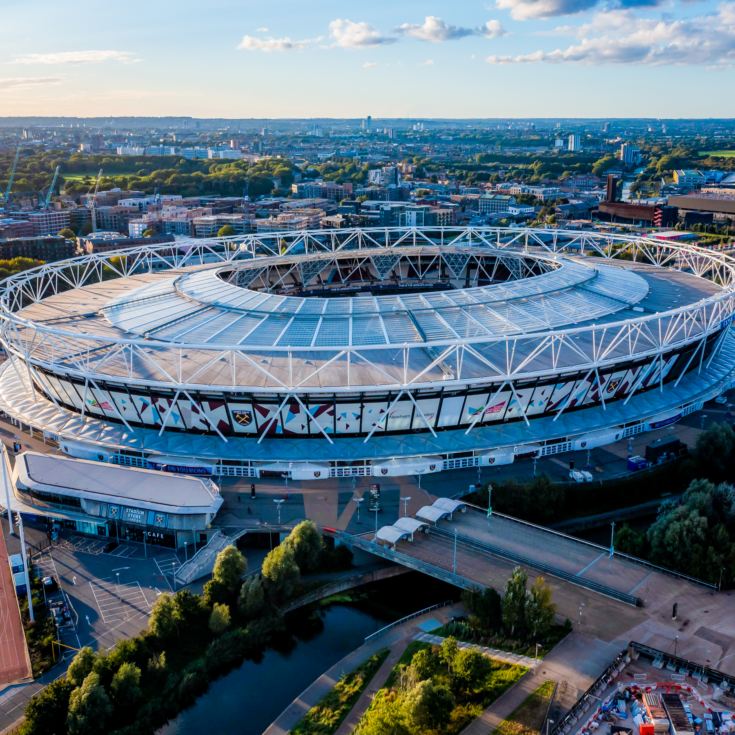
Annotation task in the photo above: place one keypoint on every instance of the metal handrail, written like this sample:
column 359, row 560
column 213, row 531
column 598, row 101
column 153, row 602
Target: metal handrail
column 404, row 619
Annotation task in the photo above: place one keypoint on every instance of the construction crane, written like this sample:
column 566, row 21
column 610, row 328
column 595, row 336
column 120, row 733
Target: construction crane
column 9, row 187
column 49, row 193
column 94, row 201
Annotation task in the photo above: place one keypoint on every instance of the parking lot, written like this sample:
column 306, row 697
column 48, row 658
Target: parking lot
column 119, row 601
column 59, row 605
column 108, row 588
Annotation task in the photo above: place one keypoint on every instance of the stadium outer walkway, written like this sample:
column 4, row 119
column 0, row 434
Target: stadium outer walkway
column 15, row 663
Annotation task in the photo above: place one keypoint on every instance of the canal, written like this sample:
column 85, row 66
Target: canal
column 248, row 699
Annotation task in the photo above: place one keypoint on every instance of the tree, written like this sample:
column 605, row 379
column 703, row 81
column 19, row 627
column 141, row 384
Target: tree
column 229, row 568
column 47, row 711
column 280, row 573
column 630, row 541
column 540, row 610
column 226, row 231
column 697, row 534
column 226, row 576
column 165, row 618
column 67, row 233
column 470, row 669
column 423, row 664
column 81, row 665
column 603, row 164
column 514, row 604
column 125, row 687
column 715, row 452
column 385, row 716
column 448, row 651
column 306, row 543
column 89, row 707
column 149, row 232
column 219, row 619
column 429, row 706
column 251, row 602
column 485, row 607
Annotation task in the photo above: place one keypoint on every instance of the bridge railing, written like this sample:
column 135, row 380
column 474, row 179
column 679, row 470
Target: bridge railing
column 553, row 571
column 599, row 547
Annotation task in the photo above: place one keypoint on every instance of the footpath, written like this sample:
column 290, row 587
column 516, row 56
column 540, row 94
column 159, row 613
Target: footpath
column 561, row 665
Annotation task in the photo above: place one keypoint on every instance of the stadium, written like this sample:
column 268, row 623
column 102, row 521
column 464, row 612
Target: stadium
column 364, row 352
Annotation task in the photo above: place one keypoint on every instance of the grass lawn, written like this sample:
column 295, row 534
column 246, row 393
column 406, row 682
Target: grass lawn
column 528, row 718
column 326, row 717
column 730, row 153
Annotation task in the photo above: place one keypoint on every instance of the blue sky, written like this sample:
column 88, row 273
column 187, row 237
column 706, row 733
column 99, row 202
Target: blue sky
column 388, row 58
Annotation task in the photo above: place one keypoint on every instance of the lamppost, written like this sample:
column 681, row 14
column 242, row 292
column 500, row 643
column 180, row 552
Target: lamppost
column 537, row 647
column 612, row 539
column 358, row 502
column 186, row 550
column 548, row 722
column 279, row 502
column 376, row 510
column 29, row 592
column 581, row 607
column 405, row 500
column 489, row 500
column 454, row 556
column 676, row 642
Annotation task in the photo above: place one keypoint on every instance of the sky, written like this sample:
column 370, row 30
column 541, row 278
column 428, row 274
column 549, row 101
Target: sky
column 385, row 58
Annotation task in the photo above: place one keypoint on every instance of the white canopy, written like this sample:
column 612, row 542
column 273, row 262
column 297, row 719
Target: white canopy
column 409, row 524
column 391, row 534
column 431, row 514
column 449, row 504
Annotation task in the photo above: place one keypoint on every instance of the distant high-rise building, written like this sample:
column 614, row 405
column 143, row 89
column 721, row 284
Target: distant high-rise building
column 628, row 154
column 574, row 143
column 611, row 192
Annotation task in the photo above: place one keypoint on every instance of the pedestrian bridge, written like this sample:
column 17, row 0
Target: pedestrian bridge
column 468, row 548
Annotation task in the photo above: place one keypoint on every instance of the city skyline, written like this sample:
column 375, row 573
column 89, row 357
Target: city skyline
column 506, row 58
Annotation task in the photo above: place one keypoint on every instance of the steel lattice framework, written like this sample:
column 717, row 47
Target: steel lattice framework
column 290, row 374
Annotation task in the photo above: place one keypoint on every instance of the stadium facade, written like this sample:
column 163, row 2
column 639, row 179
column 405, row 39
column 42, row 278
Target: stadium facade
column 364, row 352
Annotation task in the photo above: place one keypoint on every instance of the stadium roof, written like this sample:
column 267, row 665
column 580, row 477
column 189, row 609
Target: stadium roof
column 110, row 483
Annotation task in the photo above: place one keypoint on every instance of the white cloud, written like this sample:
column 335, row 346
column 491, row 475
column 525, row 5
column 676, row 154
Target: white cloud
column 619, row 37
column 427, row 62
column 436, row 30
column 78, row 57
column 7, row 83
column 369, row 64
column 527, row 9
column 351, row 34
column 262, row 29
column 492, row 29
column 268, row 45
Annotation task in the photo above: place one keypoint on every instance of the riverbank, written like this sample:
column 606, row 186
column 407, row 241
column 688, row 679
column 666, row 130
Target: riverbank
column 396, row 639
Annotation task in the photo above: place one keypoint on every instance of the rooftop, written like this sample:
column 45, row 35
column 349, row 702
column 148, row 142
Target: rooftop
column 111, row 483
